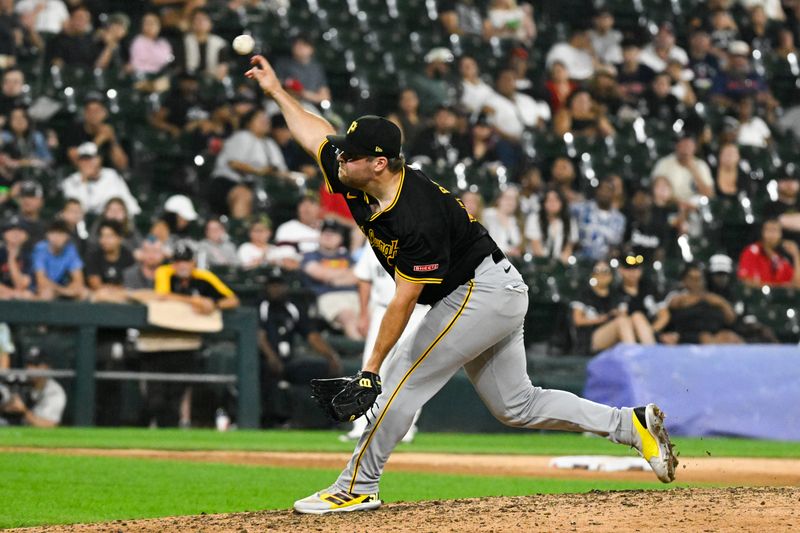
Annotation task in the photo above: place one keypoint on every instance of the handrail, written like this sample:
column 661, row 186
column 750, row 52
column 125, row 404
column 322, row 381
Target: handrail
column 87, row 318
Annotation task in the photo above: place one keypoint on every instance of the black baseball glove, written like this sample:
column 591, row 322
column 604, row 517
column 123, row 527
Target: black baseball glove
column 345, row 399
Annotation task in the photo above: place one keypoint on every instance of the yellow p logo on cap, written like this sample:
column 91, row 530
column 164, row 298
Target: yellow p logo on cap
column 352, row 127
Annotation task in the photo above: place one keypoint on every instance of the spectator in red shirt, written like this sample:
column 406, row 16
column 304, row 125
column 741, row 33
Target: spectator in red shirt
column 772, row 260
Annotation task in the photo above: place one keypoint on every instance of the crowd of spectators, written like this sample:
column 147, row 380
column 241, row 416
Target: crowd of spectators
column 94, row 95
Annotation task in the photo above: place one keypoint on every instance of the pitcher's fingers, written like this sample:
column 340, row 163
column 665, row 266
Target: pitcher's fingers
column 259, row 60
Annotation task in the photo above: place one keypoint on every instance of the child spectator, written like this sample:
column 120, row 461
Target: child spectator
column 57, row 266
column 330, row 276
column 106, row 263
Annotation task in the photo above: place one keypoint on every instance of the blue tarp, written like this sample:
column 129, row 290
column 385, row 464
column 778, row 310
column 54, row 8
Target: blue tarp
column 745, row 391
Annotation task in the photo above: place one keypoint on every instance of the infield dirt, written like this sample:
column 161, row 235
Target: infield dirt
column 689, row 510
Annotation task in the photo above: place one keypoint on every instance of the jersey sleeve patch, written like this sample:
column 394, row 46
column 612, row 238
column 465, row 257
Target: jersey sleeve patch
column 416, row 279
column 423, row 257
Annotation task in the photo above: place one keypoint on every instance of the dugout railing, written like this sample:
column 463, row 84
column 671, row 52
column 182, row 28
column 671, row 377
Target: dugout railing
column 87, row 318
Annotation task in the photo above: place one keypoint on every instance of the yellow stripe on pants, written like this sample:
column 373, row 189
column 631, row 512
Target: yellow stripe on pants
column 416, row 364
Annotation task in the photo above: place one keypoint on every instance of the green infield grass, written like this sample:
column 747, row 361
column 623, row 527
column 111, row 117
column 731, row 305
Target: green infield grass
column 519, row 443
column 54, row 489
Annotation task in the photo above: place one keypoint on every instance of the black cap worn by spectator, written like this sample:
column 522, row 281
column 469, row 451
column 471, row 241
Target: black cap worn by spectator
column 31, row 188
column 330, row 224
column 14, row 222
column 183, row 252
column 275, row 275
column 790, row 171
column 369, row 135
column 36, row 356
column 94, row 96
column 685, row 134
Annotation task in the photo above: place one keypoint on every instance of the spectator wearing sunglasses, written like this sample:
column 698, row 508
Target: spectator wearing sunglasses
column 600, row 319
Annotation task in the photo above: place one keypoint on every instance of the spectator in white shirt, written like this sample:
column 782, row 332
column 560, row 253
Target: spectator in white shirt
column 246, row 155
column 94, row 185
column 753, row 131
column 502, row 222
column 216, row 249
column 688, row 175
column 772, row 8
column 662, row 49
column 258, row 252
column 510, row 112
column 576, row 54
column 50, row 14
column 204, row 52
column 474, row 91
column 606, row 41
column 302, row 232
column 44, row 405
column 507, row 20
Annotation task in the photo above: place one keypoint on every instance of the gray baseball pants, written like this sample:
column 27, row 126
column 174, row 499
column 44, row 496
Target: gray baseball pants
column 478, row 327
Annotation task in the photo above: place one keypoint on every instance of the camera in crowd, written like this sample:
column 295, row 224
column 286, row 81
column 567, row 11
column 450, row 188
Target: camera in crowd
column 14, row 384
column 19, row 384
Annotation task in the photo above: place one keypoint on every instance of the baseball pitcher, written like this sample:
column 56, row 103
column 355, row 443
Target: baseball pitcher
column 440, row 256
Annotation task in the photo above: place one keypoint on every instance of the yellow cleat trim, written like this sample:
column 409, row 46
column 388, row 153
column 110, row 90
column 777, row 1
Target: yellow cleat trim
column 649, row 443
column 343, row 499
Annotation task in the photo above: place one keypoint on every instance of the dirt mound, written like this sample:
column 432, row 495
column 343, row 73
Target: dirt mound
column 689, row 510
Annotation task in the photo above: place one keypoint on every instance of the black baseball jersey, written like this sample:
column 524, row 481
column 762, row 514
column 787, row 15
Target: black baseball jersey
column 424, row 236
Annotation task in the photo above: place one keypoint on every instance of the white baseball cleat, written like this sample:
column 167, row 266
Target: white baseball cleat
column 408, row 438
column 336, row 500
column 350, row 437
column 652, row 441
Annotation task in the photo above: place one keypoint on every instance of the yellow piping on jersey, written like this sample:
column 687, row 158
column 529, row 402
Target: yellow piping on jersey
column 213, row 280
column 319, row 164
column 396, row 196
column 416, row 364
column 417, row 280
column 164, row 273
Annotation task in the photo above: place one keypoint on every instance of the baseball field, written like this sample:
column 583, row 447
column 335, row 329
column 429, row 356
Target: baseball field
column 170, row 480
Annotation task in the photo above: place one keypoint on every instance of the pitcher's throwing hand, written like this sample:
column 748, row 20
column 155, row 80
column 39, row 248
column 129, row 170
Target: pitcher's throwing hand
column 263, row 73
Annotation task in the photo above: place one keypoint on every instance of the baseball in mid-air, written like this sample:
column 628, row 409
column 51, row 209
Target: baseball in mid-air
column 243, row 44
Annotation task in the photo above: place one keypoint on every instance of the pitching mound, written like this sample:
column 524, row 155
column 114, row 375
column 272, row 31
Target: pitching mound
column 688, row 510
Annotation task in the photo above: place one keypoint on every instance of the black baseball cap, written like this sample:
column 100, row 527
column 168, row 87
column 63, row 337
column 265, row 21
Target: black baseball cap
column 275, row 275
column 31, row 188
column 330, row 224
column 789, row 171
column 183, row 252
column 36, row 356
column 369, row 135
column 14, row 222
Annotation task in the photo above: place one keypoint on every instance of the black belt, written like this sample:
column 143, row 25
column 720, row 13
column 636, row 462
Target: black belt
column 498, row 255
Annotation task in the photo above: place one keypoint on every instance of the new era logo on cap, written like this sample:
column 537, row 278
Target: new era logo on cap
column 369, row 135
